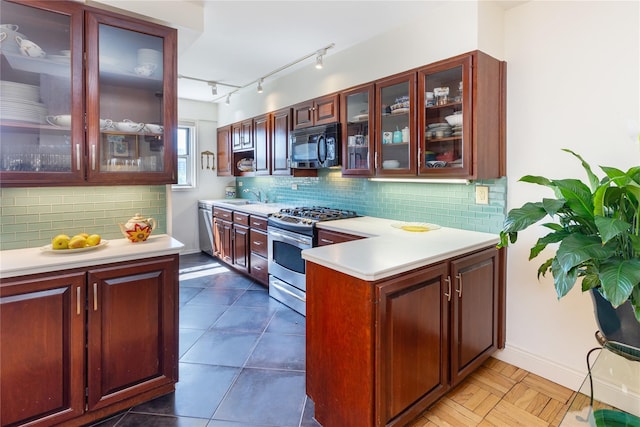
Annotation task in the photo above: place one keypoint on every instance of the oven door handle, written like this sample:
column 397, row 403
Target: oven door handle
column 288, row 292
column 286, row 238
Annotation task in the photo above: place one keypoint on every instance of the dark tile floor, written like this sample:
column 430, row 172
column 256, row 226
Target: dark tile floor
column 242, row 357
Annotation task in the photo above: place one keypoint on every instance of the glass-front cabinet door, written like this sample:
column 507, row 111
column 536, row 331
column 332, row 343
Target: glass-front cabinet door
column 130, row 108
column 445, row 118
column 41, row 126
column 357, row 106
column 395, row 126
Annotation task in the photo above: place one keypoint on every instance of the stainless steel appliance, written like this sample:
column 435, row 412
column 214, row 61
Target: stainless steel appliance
column 205, row 226
column 290, row 231
column 315, row 147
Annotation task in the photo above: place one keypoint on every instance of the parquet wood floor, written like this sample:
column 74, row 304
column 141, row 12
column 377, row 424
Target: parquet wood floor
column 500, row 395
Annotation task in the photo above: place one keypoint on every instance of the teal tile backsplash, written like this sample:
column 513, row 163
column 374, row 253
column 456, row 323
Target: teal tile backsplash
column 30, row 217
column 449, row 205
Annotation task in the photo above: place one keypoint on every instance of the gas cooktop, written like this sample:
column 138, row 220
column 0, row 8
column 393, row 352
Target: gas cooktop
column 303, row 218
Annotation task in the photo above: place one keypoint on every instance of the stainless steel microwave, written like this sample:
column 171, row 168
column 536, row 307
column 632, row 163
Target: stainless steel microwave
column 315, row 147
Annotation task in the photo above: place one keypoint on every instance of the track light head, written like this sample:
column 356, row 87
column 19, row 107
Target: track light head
column 214, row 88
column 260, row 86
column 228, row 101
column 319, row 62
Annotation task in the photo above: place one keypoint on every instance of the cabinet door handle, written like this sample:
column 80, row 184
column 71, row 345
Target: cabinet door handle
column 419, row 157
column 255, row 242
column 459, row 289
column 93, row 157
column 448, row 293
column 95, row 296
column 257, row 268
column 375, row 161
column 78, row 156
column 331, row 242
column 78, row 305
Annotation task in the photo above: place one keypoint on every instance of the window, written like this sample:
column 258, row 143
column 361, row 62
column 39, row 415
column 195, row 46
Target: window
column 186, row 148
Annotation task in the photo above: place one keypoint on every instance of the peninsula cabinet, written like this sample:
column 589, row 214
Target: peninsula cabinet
column 380, row 353
column 319, row 111
column 79, row 345
column 98, row 109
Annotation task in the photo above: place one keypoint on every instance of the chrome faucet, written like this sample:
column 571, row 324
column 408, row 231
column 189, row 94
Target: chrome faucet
column 257, row 194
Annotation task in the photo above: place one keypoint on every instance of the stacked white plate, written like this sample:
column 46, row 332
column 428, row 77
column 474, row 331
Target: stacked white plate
column 19, row 91
column 19, row 102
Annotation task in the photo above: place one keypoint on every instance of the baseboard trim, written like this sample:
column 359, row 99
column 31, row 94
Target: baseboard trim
column 623, row 397
column 546, row 368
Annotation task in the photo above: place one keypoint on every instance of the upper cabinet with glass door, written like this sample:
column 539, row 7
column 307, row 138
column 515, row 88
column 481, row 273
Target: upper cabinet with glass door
column 41, row 126
column 131, row 113
column 460, row 122
column 121, row 130
column 395, row 125
column 356, row 107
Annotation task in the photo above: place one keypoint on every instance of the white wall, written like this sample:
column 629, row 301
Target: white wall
column 573, row 82
column 421, row 41
column 184, row 203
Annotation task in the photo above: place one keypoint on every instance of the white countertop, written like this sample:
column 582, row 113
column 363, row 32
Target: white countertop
column 19, row 262
column 255, row 208
column 389, row 251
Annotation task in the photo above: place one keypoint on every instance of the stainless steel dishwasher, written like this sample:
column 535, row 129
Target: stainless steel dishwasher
column 205, row 229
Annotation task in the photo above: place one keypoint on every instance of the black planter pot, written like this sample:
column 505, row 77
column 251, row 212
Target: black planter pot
column 617, row 325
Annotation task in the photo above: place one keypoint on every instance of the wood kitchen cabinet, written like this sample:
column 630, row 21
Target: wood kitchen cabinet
column 224, row 151
column 395, row 121
column 111, row 331
column 461, row 132
column 328, row 237
column 240, row 241
column 259, row 249
column 100, row 119
column 280, row 129
column 42, row 348
column 262, row 144
column 222, row 234
column 412, row 337
column 357, row 107
column 317, row 111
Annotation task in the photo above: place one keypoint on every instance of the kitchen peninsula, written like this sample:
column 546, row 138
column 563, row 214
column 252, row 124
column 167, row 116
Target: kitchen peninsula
column 396, row 319
column 88, row 333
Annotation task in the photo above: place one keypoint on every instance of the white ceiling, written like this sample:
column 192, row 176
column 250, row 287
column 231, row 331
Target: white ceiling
column 238, row 42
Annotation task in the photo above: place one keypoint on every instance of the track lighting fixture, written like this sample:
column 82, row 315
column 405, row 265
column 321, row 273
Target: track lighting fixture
column 319, row 54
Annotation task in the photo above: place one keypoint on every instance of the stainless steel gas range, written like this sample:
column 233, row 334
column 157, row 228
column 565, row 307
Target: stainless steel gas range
column 290, row 231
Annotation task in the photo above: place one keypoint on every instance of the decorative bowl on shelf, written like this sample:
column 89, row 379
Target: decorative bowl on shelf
column 153, row 128
column 61, row 120
column 246, row 165
column 391, row 164
column 128, row 126
column 454, row 119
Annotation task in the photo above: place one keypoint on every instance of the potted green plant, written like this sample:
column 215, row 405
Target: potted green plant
column 596, row 226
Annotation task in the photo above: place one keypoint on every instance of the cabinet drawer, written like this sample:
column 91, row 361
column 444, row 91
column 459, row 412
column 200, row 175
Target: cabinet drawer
column 222, row 213
column 259, row 222
column 241, row 218
column 258, row 242
column 331, row 237
column 259, row 269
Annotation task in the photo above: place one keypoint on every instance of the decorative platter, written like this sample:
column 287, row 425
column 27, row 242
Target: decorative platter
column 415, row 226
column 49, row 249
